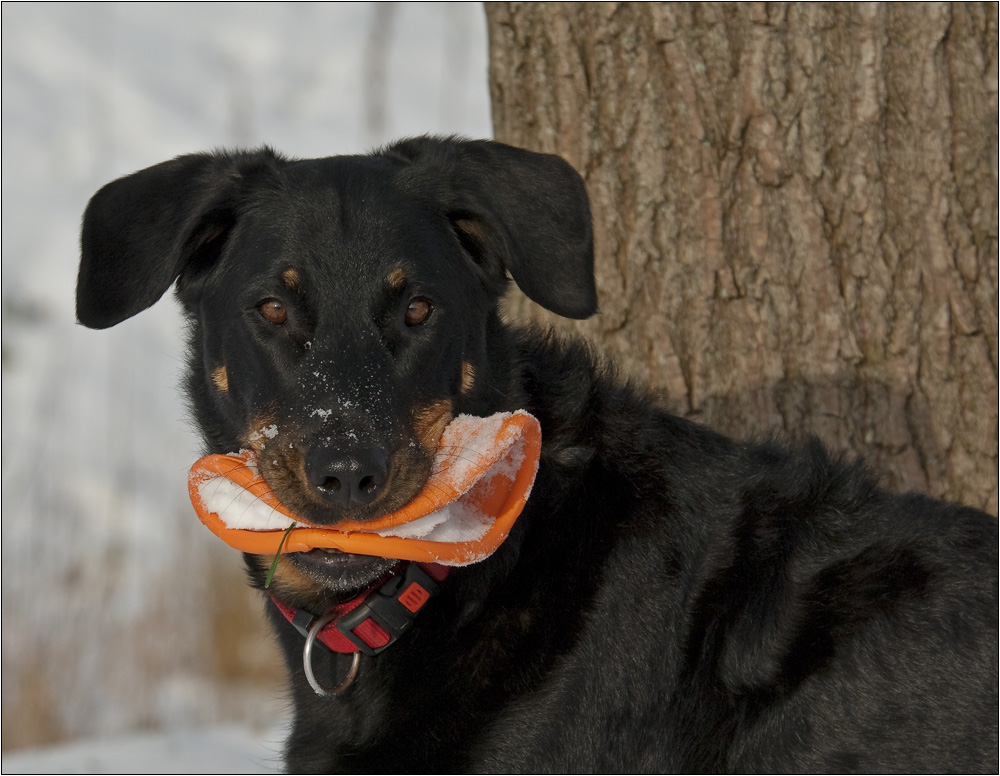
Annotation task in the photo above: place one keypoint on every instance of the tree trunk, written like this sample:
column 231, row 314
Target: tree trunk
column 795, row 213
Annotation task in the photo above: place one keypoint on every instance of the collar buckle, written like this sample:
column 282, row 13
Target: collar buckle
column 390, row 610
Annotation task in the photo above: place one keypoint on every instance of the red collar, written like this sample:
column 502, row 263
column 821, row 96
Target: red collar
column 373, row 620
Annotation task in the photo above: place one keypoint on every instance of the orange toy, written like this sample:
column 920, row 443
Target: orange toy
column 482, row 475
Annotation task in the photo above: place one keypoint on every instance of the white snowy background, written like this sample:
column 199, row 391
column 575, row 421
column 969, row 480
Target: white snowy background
column 130, row 643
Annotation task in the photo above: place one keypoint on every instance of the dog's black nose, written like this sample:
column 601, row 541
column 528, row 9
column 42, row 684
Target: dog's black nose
column 347, row 478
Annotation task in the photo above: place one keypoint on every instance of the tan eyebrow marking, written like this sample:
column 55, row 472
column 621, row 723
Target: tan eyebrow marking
column 396, row 278
column 291, row 278
column 221, row 378
column 468, row 376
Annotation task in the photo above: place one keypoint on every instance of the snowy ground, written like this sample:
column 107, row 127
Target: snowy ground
column 120, row 612
column 223, row 749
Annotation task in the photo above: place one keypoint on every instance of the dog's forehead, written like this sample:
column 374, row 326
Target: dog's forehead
column 337, row 218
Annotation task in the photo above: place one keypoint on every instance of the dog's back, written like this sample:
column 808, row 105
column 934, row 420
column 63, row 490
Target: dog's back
column 737, row 607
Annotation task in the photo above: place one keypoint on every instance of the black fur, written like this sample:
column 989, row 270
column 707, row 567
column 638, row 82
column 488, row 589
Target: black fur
column 670, row 600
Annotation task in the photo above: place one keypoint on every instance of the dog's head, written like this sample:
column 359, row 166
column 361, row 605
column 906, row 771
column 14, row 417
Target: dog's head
column 343, row 310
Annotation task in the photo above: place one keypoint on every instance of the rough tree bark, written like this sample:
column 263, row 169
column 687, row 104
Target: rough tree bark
column 795, row 212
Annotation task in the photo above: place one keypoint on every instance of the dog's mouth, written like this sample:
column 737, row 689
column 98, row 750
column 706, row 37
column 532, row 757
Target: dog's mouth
column 344, row 574
column 481, row 478
column 341, row 572
column 324, row 575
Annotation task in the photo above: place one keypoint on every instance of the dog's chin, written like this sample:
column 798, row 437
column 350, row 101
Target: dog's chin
column 341, row 573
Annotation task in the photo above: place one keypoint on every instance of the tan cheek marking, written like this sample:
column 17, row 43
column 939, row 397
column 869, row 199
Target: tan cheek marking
column 291, row 278
column 262, row 430
column 468, row 377
column 221, row 378
column 429, row 423
column 396, row 279
column 472, row 228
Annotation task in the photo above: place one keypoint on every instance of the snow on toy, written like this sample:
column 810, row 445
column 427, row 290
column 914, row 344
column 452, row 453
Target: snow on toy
column 481, row 477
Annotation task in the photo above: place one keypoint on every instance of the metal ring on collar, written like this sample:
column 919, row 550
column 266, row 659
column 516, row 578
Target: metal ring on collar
column 314, row 630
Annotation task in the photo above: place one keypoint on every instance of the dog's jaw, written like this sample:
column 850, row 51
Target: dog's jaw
column 341, row 572
column 316, row 580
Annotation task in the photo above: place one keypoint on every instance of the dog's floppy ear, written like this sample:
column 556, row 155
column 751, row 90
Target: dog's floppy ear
column 520, row 211
column 142, row 231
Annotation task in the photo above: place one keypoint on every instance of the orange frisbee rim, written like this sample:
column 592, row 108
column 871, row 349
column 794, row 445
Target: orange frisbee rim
column 495, row 495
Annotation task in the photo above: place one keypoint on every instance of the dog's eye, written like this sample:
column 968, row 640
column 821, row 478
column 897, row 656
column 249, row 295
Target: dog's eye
column 273, row 311
column 417, row 312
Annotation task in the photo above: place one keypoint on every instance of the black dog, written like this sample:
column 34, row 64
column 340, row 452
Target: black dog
column 669, row 600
